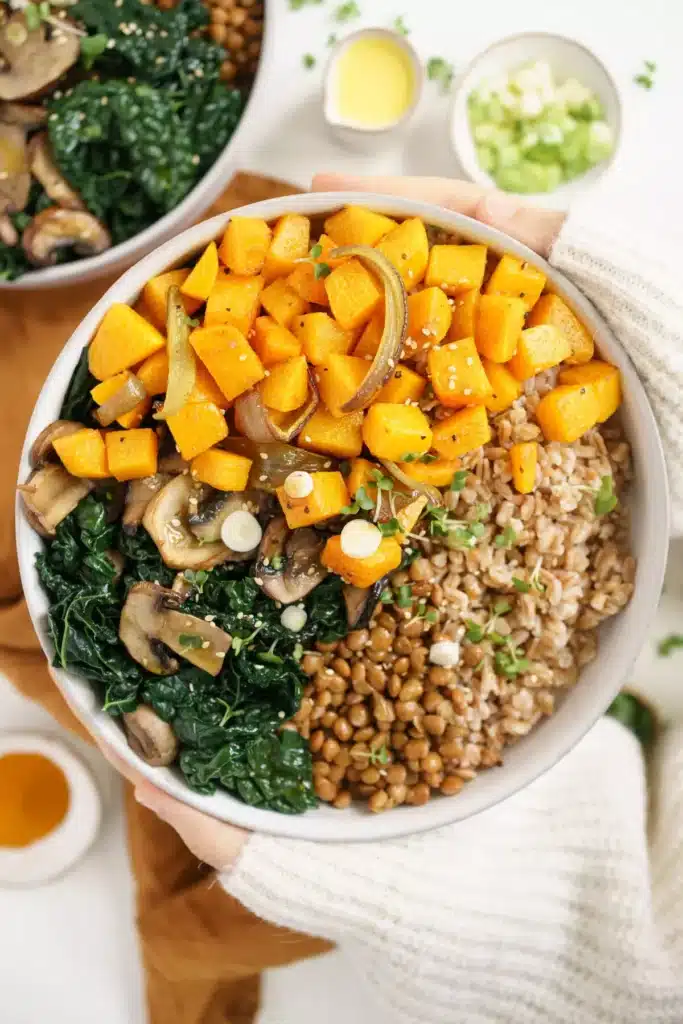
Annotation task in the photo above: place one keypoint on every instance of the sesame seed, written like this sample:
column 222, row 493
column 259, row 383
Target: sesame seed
column 469, row 361
column 220, row 654
column 243, row 359
column 209, row 618
column 307, row 438
column 264, row 455
column 467, row 391
column 258, row 582
column 175, row 522
column 263, row 478
column 104, row 101
column 205, row 645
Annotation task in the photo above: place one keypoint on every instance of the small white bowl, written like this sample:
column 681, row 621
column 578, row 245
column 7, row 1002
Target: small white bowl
column 357, row 136
column 621, row 638
column 568, row 59
column 58, row 851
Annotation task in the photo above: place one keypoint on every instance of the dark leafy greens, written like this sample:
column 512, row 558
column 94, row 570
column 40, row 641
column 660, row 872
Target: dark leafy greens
column 229, row 727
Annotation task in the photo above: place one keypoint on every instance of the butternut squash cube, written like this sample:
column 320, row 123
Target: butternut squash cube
column 329, row 496
column 361, row 474
column 551, row 310
column 282, row 302
column 84, row 454
column 228, row 357
column 290, row 242
column 362, row 572
column 340, row 436
column 155, row 296
column 104, row 391
column 356, row 225
column 392, row 431
column 339, row 378
column 286, row 386
column 500, row 321
column 321, row 337
column 226, row 471
column 538, row 349
column 131, row 454
column 605, row 380
column 202, row 277
column 205, row 388
column 142, row 308
column 524, row 459
column 153, row 373
column 234, row 300
column 456, row 268
column 403, row 386
column 464, row 322
column 303, row 279
column 439, row 473
column 370, row 339
column 567, row 412
column 463, row 432
column 354, row 294
column 123, row 339
column 245, row 245
column 429, row 318
column 505, row 389
column 272, row 342
column 517, row 279
column 457, row 374
column 197, row 427
column 407, row 247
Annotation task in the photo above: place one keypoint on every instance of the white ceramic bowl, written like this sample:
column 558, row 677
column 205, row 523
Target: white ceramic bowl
column 621, row 638
column 568, row 59
column 196, row 202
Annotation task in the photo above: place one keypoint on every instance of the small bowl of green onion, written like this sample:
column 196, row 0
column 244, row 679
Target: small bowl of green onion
column 536, row 115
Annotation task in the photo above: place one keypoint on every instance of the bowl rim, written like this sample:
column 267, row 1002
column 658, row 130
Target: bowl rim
column 458, row 116
column 556, row 737
column 198, row 199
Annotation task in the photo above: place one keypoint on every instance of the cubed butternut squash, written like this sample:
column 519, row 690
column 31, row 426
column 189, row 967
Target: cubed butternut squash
column 205, row 388
column 523, row 460
column 407, row 247
column 463, row 432
column 202, row 277
column 142, row 308
column 303, row 278
column 234, row 300
column 328, row 497
column 567, row 412
column 538, row 349
column 340, row 436
column 457, row 375
column 403, row 386
column 456, row 268
column 155, row 296
column 84, row 454
column 361, row 474
column 505, row 389
column 500, row 321
column 290, row 242
column 154, row 375
column 282, row 302
column 392, row 431
column 131, row 454
column 272, row 342
column 517, row 279
column 286, row 386
column 362, row 572
column 551, row 310
column 321, row 337
column 605, row 380
column 153, row 372
column 108, row 388
column 197, row 427
column 429, row 318
column 354, row 294
column 339, row 378
column 439, row 473
column 356, row 225
column 245, row 245
column 123, row 339
column 226, row 471
column 228, row 357
column 369, row 341
column 464, row 322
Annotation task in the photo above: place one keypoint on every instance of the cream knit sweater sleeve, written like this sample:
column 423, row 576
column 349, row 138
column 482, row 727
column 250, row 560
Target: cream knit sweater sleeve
column 564, row 904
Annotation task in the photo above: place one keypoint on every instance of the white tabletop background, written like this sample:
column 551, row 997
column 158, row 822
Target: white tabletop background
column 68, row 951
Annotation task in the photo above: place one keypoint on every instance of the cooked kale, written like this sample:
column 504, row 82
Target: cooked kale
column 229, row 727
column 78, row 403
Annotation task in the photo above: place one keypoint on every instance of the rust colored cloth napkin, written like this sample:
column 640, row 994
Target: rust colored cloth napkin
column 202, row 950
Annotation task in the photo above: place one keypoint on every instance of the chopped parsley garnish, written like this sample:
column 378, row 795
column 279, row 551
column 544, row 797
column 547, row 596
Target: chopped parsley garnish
column 440, row 71
column 511, row 662
column 506, row 539
column 459, row 480
column 347, row 11
column 400, row 26
column 382, row 482
column 191, row 641
column 605, row 500
column 646, row 77
column 669, row 644
column 308, row 61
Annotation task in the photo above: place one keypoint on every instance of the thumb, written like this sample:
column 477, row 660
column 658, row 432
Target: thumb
column 535, row 227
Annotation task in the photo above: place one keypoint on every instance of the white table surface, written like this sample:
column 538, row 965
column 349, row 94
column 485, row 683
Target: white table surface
column 68, row 951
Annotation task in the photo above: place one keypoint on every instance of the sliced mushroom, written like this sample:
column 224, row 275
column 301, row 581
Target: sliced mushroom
column 42, row 448
column 15, row 175
column 150, row 737
column 55, row 229
column 151, row 621
column 360, row 602
column 26, row 115
column 138, row 496
column 45, row 170
column 166, row 521
column 35, row 60
column 8, row 233
column 288, row 566
column 207, row 521
column 49, row 495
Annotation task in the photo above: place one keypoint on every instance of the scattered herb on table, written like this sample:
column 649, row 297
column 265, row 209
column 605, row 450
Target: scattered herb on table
column 331, row 39
column 400, row 26
column 669, row 644
column 645, row 78
column 347, row 11
column 308, row 61
column 635, row 715
column 296, row 5
column 441, row 72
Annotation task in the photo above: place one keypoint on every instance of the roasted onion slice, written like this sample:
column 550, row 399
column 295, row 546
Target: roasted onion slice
column 274, row 461
column 182, row 369
column 255, row 421
column 415, row 486
column 124, row 400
